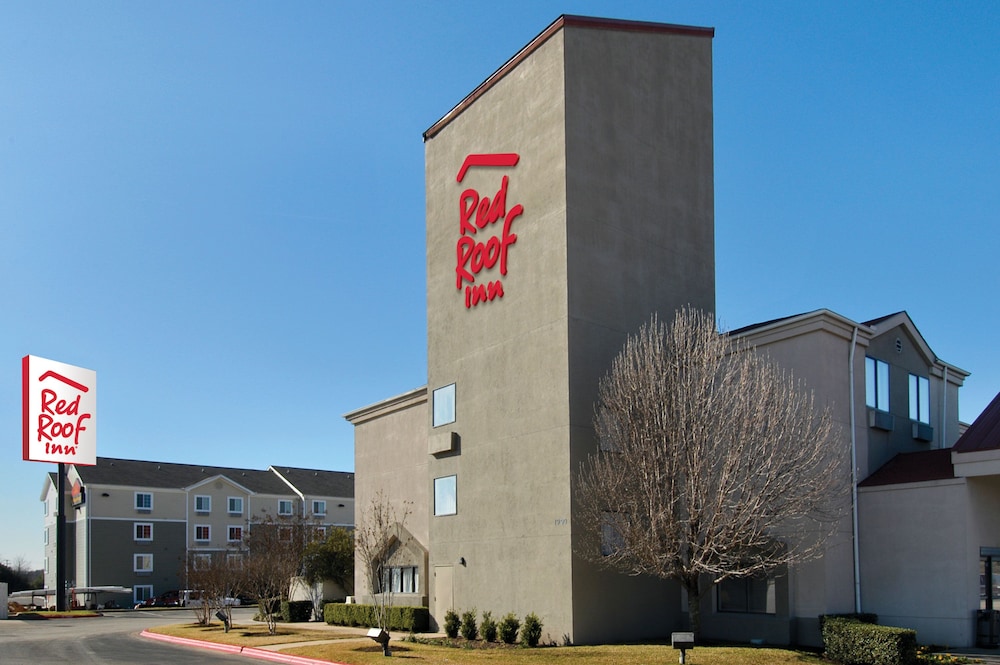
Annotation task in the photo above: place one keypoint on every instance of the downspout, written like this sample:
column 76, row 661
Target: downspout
column 944, row 409
column 854, row 481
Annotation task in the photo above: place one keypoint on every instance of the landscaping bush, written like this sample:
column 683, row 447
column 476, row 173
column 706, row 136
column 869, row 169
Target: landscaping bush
column 508, row 628
column 489, row 627
column 853, row 642
column 532, row 631
column 469, row 629
column 451, row 624
column 413, row 619
column 296, row 610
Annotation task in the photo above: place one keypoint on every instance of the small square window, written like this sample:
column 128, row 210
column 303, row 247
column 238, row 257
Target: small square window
column 142, row 563
column 235, row 505
column 144, row 501
column 202, row 533
column 45, row 536
column 142, row 592
column 202, row 561
column 444, row 405
column 143, row 531
column 319, row 507
column 202, row 504
column 235, row 534
column 445, row 495
column 284, row 507
column 234, row 560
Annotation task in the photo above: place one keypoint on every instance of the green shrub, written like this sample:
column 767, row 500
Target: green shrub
column 451, row 624
column 296, row 610
column 489, row 627
column 413, row 619
column 532, row 631
column 469, row 629
column 853, row 642
column 508, row 628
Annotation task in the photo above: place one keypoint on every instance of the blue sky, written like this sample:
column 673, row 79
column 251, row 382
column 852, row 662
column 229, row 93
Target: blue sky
column 219, row 206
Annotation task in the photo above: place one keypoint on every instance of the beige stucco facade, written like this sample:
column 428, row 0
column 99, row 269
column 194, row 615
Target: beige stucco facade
column 569, row 199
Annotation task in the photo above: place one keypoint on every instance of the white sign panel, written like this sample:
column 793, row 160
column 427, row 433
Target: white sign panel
column 60, row 412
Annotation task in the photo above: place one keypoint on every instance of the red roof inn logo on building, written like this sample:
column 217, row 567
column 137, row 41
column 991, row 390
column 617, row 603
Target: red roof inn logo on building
column 478, row 215
column 60, row 412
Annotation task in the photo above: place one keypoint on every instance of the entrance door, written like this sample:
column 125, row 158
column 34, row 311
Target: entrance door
column 989, row 581
column 444, row 590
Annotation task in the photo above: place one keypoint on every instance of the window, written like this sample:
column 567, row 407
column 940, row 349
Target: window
column 142, row 563
column 444, row 405
column 284, row 507
column 143, row 531
column 920, row 399
column 285, row 534
column 319, row 533
column 234, row 560
column 319, row 507
column 142, row 592
column 46, row 565
column 202, row 504
column 401, row 579
column 445, row 495
column 749, row 595
column 45, row 508
column 202, row 533
column 143, row 501
column 201, row 561
column 235, row 534
column 877, row 384
column 45, row 536
column 235, row 505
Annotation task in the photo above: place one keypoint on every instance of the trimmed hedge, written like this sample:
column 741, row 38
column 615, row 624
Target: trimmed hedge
column 296, row 610
column 414, row 619
column 853, row 642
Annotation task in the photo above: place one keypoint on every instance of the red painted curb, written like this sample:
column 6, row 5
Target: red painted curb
column 252, row 652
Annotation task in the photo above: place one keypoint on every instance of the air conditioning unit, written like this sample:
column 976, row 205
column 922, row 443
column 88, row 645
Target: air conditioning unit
column 923, row 432
column 442, row 442
column 880, row 420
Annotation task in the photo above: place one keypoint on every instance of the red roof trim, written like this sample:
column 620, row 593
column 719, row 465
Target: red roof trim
column 557, row 25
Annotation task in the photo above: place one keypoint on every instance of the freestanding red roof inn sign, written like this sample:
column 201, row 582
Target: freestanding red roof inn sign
column 60, row 412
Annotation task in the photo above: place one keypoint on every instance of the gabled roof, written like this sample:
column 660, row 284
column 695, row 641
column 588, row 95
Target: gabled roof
column 168, row 475
column 312, row 482
column 913, row 468
column 984, row 432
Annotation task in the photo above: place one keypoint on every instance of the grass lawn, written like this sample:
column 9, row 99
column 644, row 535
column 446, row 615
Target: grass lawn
column 355, row 653
column 352, row 651
column 253, row 635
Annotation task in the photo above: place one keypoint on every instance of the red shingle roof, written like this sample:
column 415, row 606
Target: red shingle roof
column 984, row 432
column 913, row 468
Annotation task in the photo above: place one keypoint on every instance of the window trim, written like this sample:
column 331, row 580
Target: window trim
column 448, row 412
column 144, row 509
column 136, row 559
column 140, row 597
column 291, row 507
column 229, row 505
column 207, row 498
column 135, row 532
column 319, row 502
column 453, row 508
column 920, row 398
column 877, row 384
column 229, row 533
column 208, row 530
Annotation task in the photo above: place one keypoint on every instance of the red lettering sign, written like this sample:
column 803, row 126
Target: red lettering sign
column 477, row 216
column 59, row 412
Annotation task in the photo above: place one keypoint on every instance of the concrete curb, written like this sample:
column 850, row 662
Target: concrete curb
column 251, row 652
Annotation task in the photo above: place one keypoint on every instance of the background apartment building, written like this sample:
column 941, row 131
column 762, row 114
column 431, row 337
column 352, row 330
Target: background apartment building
column 132, row 523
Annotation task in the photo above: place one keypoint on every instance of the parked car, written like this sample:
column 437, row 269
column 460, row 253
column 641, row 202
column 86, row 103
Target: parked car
column 192, row 598
column 168, row 599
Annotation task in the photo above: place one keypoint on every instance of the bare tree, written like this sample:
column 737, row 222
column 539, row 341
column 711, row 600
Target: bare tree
column 218, row 579
column 713, row 462
column 379, row 535
column 274, row 554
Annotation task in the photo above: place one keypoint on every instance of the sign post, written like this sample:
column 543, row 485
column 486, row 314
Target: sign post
column 59, row 425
